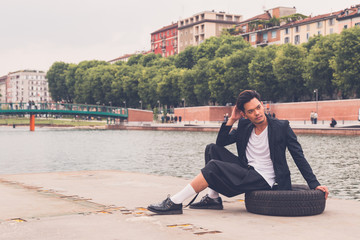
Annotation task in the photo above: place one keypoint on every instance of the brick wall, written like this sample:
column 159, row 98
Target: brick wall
column 205, row 113
column 338, row 109
column 137, row 115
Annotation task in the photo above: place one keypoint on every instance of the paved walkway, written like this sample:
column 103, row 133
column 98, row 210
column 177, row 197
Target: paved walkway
column 111, row 205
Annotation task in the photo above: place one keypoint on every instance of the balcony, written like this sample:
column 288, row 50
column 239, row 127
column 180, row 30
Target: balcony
column 262, row 43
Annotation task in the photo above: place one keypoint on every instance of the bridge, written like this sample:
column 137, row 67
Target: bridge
column 62, row 109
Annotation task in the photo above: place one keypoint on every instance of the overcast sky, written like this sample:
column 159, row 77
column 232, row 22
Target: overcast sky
column 36, row 33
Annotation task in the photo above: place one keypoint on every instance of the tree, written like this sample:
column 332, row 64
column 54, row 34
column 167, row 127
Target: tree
column 218, row 92
column 261, row 73
column 318, row 73
column 237, row 72
column 288, row 69
column 56, row 77
column 187, row 87
column 186, row 58
column 201, row 80
column 346, row 63
column 82, row 85
column 168, row 88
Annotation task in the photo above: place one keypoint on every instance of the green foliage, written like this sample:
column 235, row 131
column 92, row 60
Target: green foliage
column 346, row 62
column 215, row 72
column 261, row 74
column 318, row 73
column 293, row 17
column 288, row 69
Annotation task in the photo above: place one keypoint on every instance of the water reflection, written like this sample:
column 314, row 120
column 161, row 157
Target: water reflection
column 334, row 159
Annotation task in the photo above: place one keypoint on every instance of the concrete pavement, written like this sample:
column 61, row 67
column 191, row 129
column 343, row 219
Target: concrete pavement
column 112, row 205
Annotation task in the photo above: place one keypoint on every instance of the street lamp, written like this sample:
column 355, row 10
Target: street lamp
column 316, row 98
column 124, row 103
column 158, row 101
column 110, row 103
column 140, row 104
column 184, row 108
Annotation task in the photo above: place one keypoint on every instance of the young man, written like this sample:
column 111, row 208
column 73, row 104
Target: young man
column 261, row 163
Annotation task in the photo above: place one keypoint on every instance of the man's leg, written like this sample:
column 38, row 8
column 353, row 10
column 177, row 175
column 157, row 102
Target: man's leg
column 213, row 151
column 173, row 205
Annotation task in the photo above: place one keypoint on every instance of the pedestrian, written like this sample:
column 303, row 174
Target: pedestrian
column 312, row 117
column 315, row 117
column 333, row 122
column 226, row 117
column 260, row 165
column 180, row 119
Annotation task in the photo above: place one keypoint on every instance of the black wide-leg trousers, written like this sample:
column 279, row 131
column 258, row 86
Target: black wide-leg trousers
column 225, row 173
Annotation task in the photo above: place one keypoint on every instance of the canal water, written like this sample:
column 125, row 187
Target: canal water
column 335, row 159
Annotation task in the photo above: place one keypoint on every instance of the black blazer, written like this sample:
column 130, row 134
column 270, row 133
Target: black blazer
column 281, row 136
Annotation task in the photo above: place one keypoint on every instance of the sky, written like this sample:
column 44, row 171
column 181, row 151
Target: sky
column 36, row 33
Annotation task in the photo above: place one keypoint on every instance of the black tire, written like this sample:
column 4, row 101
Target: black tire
column 301, row 201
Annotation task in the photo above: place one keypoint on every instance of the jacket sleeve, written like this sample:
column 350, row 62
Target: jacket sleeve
column 299, row 158
column 225, row 137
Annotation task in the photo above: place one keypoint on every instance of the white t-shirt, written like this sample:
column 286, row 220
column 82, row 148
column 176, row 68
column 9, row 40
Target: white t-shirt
column 258, row 155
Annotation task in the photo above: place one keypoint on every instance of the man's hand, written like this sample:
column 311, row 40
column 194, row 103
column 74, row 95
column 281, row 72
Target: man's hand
column 324, row 189
column 236, row 114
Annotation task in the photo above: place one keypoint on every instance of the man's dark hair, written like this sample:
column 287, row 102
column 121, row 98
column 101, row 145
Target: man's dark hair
column 245, row 97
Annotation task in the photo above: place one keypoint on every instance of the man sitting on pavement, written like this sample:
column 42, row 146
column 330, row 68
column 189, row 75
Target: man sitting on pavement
column 260, row 165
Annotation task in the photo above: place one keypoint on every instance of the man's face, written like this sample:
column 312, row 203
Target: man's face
column 254, row 111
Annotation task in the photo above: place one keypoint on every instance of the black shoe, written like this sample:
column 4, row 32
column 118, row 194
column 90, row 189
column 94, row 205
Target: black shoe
column 208, row 203
column 167, row 207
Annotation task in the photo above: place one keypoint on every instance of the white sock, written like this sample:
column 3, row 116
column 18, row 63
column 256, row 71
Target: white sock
column 213, row 194
column 184, row 194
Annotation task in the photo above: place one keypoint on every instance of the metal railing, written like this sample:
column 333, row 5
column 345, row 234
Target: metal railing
column 63, row 108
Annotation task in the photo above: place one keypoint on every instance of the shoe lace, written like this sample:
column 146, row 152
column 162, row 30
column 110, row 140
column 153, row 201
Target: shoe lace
column 192, row 201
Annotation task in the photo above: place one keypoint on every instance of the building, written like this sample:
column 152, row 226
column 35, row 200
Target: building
column 27, row 85
column 263, row 29
column 126, row 57
column 164, row 41
column 349, row 17
column 300, row 31
column 123, row 58
column 3, row 89
column 195, row 29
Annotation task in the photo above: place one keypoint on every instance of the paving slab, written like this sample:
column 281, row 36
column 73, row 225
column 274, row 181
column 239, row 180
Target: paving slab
column 112, row 205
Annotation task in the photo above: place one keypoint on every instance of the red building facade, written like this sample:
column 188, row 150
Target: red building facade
column 165, row 40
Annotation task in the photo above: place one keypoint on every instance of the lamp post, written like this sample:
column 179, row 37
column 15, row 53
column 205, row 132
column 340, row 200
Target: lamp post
column 124, row 103
column 140, row 104
column 316, row 98
column 184, row 108
column 158, row 101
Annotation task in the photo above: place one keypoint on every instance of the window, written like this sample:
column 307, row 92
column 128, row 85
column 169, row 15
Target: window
column 307, row 36
column 219, row 17
column 253, row 37
column 297, row 29
column 331, row 22
column 308, row 27
column 237, row 19
column 244, row 28
column 286, row 31
column 297, row 39
column 331, row 30
column 319, row 32
column 357, row 24
column 273, row 34
column 286, row 40
column 345, row 26
column 265, row 37
column 319, row 24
